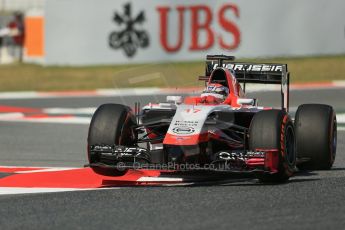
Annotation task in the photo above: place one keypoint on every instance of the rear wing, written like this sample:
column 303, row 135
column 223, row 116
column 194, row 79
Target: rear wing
column 259, row 73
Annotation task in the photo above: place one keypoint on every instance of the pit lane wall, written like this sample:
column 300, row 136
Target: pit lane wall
column 91, row 32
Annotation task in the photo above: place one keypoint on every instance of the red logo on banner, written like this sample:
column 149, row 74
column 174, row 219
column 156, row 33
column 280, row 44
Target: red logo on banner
column 200, row 25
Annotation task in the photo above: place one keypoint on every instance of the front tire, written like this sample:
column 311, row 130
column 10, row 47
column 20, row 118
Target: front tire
column 111, row 124
column 273, row 129
column 316, row 136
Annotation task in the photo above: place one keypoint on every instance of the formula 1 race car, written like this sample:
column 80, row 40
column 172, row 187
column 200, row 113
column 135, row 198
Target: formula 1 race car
column 221, row 130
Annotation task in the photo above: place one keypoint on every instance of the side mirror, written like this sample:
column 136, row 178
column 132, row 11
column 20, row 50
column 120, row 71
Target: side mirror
column 174, row 99
column 246, row 101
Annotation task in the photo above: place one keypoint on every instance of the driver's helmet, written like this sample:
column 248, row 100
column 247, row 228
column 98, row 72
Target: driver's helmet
column 216, row 90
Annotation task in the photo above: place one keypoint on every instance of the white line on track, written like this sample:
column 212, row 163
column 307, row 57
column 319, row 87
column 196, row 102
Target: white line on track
column 19, row 117
column 156, row 91
column 341, row 118
column 27, row 167
column 59, row 120
column 159, row 179
column 19, row 190
column 18, row 95
column 45, row 170
column 86, row 111
column 11, row 116
column 95, row 93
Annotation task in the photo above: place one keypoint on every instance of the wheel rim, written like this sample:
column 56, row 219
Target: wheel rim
column 290, row 145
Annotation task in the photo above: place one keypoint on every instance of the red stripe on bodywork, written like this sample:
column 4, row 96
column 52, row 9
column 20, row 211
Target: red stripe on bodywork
column 195, row 139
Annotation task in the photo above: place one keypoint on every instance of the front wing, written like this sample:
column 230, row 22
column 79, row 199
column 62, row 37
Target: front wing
column 121, row 157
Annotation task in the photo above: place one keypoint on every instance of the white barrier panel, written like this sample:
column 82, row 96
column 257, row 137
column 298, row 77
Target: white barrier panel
column 84, row 32
column 21, row 5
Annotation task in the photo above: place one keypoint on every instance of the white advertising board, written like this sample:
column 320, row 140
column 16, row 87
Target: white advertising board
column 92, row 32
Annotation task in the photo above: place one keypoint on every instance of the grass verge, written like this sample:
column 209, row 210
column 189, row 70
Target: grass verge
column 27, row 77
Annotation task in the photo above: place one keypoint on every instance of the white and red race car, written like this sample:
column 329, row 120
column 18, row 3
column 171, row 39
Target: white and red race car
column 221, row 130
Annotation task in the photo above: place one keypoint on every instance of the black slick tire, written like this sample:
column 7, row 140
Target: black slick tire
column 273, row 129
column 316, row 136
column 111, row 124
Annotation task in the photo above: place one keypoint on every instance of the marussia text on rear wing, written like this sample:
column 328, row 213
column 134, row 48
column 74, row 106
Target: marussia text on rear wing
column 262, row 73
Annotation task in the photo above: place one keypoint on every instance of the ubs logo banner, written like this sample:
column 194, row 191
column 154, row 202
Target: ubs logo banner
column 176, row 28
column 129, row 36
column 151, row 31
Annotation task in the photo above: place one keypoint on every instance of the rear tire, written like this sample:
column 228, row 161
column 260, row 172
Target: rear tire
column 111, row 124
column 273, row 129
column 316, row 136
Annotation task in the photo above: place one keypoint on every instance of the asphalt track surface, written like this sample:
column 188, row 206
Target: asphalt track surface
column 310, row 200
